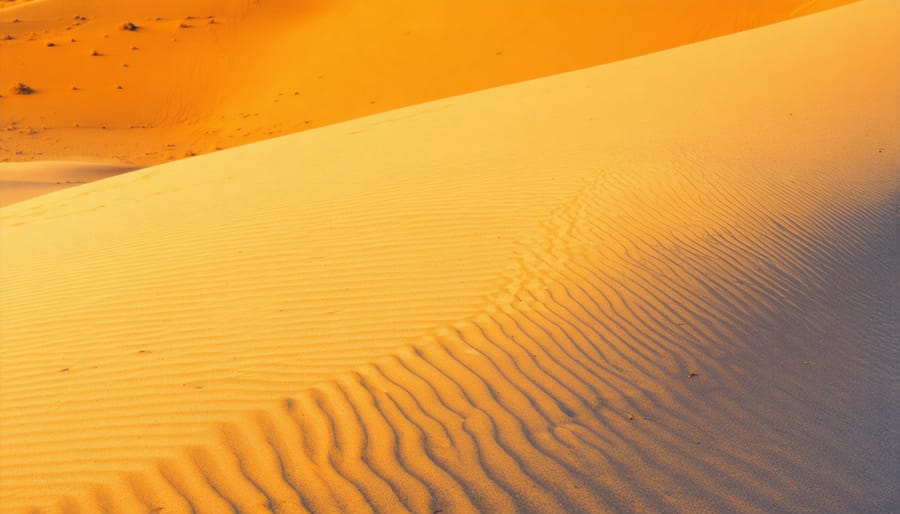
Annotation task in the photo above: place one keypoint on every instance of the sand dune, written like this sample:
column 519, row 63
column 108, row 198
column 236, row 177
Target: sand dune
column 198, row 75
column 663, row 284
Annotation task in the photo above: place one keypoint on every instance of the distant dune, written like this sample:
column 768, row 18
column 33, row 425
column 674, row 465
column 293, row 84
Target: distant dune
column 665, row 284
column 198, row 75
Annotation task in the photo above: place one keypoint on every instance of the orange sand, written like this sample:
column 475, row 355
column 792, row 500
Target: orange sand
column 263, row 69
column 655, row 285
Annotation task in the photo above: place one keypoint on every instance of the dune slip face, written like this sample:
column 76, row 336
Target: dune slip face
column 666, row 284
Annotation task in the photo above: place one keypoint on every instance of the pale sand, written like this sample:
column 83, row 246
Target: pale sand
column 492, row 302
column 269, row 68
column 22, row 180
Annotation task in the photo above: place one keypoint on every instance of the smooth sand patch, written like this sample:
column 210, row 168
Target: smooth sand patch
column 655, row 285
column 23, row 180
column 9, row 4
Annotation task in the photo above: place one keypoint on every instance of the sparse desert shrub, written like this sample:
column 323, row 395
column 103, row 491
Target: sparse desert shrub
column 128, row 26
column 22, row 89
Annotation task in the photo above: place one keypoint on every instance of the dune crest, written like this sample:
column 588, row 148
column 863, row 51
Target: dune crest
column 200, row 75
column 654, row 285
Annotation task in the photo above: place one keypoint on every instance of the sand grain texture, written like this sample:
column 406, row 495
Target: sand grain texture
column 663, row 284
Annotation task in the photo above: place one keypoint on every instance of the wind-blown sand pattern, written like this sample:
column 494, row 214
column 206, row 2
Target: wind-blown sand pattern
column 664, row 284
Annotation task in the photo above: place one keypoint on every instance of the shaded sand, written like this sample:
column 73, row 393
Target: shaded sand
column 22, row 180
column 181, row 85
column 664, row 284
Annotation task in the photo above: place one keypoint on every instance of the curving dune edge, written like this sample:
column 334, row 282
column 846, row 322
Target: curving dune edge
column 665, row 284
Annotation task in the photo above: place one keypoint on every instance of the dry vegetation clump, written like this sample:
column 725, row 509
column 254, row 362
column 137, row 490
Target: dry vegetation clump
column 22, row 89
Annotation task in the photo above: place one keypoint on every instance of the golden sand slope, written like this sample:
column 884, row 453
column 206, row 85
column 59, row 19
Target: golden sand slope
column 493, row 302
column 198, row 75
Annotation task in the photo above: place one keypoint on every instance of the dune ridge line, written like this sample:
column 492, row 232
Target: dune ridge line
column 580, row 293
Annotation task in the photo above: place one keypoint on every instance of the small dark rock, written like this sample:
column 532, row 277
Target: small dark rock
column 22, row 89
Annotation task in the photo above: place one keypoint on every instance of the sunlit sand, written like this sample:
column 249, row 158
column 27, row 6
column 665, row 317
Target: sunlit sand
column 661, row 284
column 141, row 82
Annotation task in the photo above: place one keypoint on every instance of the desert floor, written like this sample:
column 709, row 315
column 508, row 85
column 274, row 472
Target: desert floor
column 665, row 280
